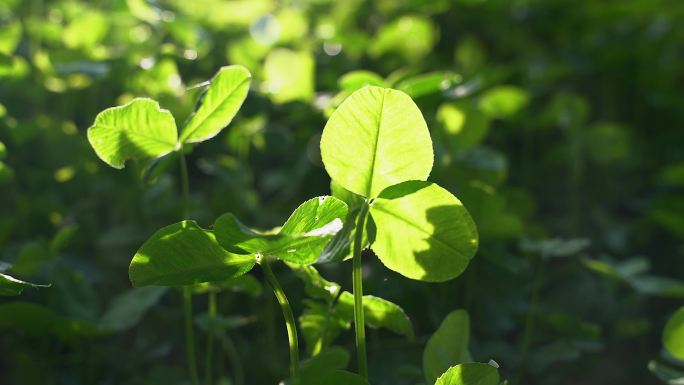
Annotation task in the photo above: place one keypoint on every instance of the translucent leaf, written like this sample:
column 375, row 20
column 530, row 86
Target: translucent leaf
column 412, row 37
column 10, row 286
column 138, row 130
column 423, row 231
column 185, row 254
column 223, row 98
column 128, row 308
column 448, row 346
column 472, row 373
column 375, row 139
column 673, row 335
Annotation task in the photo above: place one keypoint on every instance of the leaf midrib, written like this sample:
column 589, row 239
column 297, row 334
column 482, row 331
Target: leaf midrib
column 375, row 147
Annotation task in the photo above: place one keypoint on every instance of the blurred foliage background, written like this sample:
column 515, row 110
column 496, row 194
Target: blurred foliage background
column 557, row 122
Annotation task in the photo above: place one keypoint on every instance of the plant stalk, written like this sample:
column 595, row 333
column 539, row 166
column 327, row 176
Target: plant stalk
column 189, row 335
column 357, row 277
column 287, row 314
column 209, row 356
column 187, row 292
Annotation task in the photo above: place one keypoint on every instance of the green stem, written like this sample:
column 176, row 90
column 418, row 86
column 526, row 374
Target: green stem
column 187, row 292
column 357, row 277
column 287, row 314
column 189, row 335
column 531, row 312
column 234, row 357
column 210, row 338
column 185, row 184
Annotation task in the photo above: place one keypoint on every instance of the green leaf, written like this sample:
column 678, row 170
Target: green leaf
column 289, row 75
column 137, row 130
column 10, row 286
column 128, row 308
column 185, row 254
column 472, row 373
column 320, row 322
column 32, row 258
column 329, row 377
column 379, row 313
column 423, row 231
column 221, row 102
column 673, row 335
column 10, row 35
column 463, row 125
column 352, row 81
column 315, row 285
column 242, row 284
column 503, row 101
column 332, row 358
column 448, row 346
column 375, row 139
column 301, row 239
column 38, row 320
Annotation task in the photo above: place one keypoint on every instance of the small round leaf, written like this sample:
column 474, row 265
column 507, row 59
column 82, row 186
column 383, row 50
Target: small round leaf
column 423, row 231
column 137, row 130
column 375, row 139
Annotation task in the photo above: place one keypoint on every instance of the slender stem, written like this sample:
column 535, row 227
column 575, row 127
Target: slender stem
column 234, row 357
column 531, row 313
column 287, row 314
column 357, row 277
column 209, row 356
column 185, row 184
column 189, row 335
column 187, row 292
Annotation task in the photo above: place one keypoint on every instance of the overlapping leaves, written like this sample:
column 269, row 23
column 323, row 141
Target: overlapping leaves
column 377, row 145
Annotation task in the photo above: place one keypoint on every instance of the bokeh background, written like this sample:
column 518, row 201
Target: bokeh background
column 558, row 123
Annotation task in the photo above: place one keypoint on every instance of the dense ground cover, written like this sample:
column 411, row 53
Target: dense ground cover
column 556, row 123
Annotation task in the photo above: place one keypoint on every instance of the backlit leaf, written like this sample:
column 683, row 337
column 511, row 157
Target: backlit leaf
column 375, row 139
column 225, row 95
column 423, row 231
column 137, row 130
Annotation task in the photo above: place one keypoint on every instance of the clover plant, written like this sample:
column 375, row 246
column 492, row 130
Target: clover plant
column 377, row 146
column 377, row 149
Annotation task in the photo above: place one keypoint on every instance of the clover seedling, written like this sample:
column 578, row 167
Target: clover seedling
column 182, row 253
column 377, row 146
